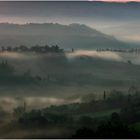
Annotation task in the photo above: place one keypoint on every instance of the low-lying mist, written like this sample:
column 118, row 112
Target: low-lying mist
column 9, row 103
column 106, row 55
column 68, row 81
column 33, row 58
column 94, row 54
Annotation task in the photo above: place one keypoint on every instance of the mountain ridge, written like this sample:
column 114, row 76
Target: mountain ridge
column 74, row 35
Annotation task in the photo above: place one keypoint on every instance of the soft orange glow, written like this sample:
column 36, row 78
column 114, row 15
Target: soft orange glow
column 117, row 0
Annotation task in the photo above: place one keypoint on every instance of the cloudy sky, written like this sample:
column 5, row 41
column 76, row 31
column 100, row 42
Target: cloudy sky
column 118, row 19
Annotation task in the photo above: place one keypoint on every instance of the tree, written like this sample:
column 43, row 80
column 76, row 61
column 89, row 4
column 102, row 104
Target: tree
column 72, row 50
column 56, row 48
column 23, row 48
column 129, row 62
column 104, row 95
column 19, row 111
column 9, row 48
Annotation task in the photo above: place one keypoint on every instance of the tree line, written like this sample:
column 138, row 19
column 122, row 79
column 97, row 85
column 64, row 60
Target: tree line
column 131, row 50
column 36, row 48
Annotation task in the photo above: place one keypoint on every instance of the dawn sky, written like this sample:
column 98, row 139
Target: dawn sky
column 118, row 0
column 118, row 19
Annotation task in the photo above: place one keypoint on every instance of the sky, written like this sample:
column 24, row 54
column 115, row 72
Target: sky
column 81, row 0
column 117, row 0
column 117, row 19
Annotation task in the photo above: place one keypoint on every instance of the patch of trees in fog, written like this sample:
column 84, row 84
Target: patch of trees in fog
column 36, row 48
column 9, row 77
column 131, row 50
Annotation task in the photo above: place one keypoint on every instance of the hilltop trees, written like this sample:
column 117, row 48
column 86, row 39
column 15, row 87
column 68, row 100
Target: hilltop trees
column 36, row 48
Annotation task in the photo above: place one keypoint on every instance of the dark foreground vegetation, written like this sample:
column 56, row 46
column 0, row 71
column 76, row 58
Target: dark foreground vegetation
column 116, row 115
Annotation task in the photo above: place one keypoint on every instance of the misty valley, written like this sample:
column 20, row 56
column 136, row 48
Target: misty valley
column 70, row 70
column 49, row 92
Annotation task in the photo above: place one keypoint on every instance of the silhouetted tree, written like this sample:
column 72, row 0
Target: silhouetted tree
column 72, row 50
column 9, row 48
column 104, row 95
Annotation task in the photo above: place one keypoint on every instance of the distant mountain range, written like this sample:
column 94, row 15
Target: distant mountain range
column 66, row 36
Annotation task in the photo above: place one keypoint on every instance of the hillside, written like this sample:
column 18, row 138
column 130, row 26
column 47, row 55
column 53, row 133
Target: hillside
column 67, row 36
column 101, row 69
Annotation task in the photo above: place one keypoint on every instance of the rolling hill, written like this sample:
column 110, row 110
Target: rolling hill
column 67, row 36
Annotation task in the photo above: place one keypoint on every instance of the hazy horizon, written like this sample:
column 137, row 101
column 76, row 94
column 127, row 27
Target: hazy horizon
column 117, row 19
